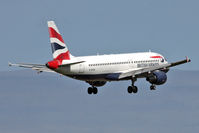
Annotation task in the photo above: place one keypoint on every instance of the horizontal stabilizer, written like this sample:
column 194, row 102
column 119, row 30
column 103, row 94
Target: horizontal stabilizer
column 37, row 67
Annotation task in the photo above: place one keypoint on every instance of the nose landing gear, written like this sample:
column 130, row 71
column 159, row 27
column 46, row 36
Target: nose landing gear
column 152, row 87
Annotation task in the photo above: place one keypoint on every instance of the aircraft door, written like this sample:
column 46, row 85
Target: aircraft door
column 81, row 68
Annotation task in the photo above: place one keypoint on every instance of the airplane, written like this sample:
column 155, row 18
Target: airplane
column 99, row 69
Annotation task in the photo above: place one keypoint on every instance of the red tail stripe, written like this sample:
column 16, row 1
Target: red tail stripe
column 54, row 34
column 156, row 57
column 54, row 64
column 63, row 56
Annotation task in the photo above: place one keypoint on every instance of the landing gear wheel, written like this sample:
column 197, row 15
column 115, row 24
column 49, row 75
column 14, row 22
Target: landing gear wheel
column 95, row 90
column 152, row 87
column 90, row 90
column 130, row 89
column 135, row 89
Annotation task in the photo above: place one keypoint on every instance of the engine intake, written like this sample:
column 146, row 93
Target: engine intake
column 157, row 78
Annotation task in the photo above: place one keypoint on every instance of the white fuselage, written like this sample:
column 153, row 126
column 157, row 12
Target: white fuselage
column 108, row 64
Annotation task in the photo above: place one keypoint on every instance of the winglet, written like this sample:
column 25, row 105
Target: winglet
column 187, row 58
column 9, row 64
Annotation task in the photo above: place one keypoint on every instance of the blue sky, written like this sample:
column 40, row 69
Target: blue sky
column 106, row 26
column 42, row 103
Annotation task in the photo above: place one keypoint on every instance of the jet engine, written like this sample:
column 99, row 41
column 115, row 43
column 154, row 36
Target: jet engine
column 97, row 83
column 157, row 78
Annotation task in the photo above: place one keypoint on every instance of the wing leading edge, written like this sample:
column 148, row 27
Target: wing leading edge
column 146, row 70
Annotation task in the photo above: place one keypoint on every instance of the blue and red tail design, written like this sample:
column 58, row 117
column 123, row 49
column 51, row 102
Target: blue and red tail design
column 59, row 48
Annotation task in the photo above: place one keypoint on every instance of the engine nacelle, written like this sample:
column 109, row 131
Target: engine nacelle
column 97, row 83
column 157, row 78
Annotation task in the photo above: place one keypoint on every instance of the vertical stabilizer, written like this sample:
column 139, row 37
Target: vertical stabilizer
column 59, row 48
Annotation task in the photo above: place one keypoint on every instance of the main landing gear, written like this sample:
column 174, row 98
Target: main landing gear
column 132, row 88
column 92, row 90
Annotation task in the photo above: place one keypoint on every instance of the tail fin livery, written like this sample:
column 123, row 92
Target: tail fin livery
column 59, row 48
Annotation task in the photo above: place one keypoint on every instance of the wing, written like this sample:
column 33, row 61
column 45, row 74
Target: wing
column 37, row 67
column 142, row 71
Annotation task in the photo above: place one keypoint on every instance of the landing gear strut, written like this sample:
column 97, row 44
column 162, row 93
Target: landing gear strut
column 132, row 88
column 152, row 87
column 93, row 90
